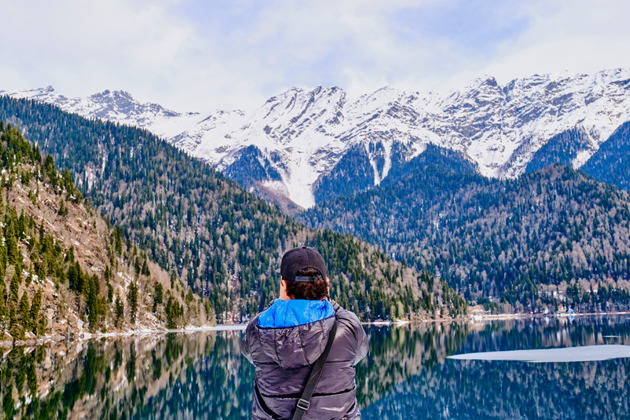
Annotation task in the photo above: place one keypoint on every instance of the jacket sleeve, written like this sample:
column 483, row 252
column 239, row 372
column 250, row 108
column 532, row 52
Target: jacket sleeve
column 361, row 339
column 245, row 348
column 362, row 344
column 246, row 342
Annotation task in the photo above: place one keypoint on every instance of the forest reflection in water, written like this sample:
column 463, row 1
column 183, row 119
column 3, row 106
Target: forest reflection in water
column 406, row 374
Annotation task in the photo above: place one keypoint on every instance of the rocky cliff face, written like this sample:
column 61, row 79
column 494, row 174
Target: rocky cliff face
column 308, row 145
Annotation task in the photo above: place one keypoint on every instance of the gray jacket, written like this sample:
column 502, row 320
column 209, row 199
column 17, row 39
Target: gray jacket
column 283, row 358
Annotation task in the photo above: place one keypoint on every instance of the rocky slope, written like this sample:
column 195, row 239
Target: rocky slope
column 64, row 272
column 303, row 146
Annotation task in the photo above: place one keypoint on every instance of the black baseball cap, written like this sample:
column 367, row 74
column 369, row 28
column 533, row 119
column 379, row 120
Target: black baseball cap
column 297, row 259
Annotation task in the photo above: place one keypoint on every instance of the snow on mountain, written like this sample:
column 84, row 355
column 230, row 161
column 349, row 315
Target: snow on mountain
column 298, row 138
column 116, row 106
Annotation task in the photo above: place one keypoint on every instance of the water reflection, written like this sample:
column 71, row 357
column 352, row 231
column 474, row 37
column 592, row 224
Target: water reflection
column 406, row 375
column 463, row 389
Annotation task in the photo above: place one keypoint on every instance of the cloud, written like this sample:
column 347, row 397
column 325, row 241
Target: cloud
column 200, row 55
column 80, row 47
column 576, row 36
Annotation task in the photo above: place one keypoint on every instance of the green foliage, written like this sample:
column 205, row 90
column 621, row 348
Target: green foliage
column 488, row 305
column 11, row 240
column 16, row 150
column 25, row 312
column 63, row 209
column 158, row 295
column 132, row 300
column 120, row 311
column 14, row 288
column 76, row 277
column 117, row 240
column 3, row 306
column 343, row 179
column 34, row 313
column 174, row 311
column 93, row 300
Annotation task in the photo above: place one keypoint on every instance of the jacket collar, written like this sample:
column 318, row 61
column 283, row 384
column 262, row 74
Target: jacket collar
column 294, row 312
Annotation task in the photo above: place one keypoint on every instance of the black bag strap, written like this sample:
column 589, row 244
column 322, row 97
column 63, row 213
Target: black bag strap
column 318, row 367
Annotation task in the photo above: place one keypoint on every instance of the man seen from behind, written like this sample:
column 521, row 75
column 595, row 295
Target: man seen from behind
column 288, row 344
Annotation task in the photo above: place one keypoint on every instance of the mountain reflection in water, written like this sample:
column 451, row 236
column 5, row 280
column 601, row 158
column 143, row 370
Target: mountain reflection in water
column 406, row 374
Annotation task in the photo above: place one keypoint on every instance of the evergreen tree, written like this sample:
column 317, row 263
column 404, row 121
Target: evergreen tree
column 25, row 312
column 11, row 242
column 132, row 300
column 92, row 301
column 63, row 208
column 172, row 310
column 3, row 305
column 14, row 288
column 120, row 311
column 35, row 308
column 158, row 295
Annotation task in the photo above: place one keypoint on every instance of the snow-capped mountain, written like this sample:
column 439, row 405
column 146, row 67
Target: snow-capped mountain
column 116, row 106
column 307, row 145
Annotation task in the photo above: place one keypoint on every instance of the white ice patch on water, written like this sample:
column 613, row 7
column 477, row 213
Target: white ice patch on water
column 555, row 355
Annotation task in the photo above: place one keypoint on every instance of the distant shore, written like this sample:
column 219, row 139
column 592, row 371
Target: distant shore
column 82, row 336
column 492, row 317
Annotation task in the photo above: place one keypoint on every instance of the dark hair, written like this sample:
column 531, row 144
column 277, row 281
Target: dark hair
column 316, row 290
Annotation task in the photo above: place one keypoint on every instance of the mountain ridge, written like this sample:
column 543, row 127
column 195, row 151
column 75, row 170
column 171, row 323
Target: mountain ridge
column 302, row 135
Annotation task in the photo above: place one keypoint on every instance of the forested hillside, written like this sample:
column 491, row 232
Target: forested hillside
column 611, row 163
column 562, row 148
column 63, row 271
column 546, row 240
column 206, row 229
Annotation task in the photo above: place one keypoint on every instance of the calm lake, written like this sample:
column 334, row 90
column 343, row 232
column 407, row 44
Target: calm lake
column 408, row 374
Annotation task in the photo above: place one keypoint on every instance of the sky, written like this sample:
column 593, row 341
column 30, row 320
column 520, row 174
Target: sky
column 201, row 55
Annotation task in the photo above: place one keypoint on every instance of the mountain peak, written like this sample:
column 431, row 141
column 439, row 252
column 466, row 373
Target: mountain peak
column 485, row 79
column 315, row 91
column 303, row 134
column 114, row 95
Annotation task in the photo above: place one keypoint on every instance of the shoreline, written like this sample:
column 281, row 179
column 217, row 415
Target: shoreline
column 500, row 317
column 490, row 317
column 85, row 336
